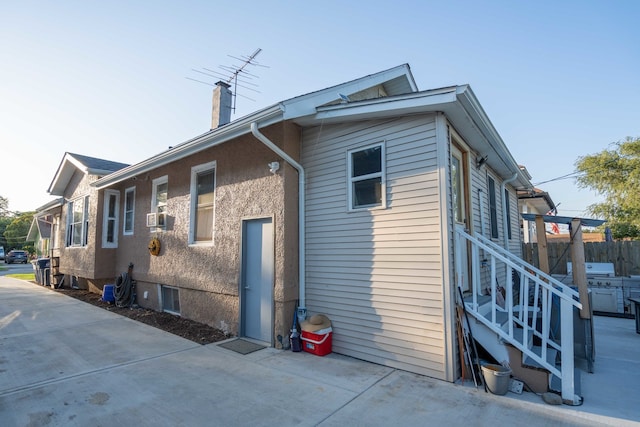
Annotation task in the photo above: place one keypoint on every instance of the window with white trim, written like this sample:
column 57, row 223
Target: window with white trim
column 129, row 210
column 203, row 185
column 77, row 222
column 367, row 177
column 493, row 208
column 170, row 299
column 159, row 197
column 110, row 219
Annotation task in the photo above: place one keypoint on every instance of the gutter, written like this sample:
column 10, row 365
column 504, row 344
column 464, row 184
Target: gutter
column 302, row 309
column 505, row 230
column 193, row 146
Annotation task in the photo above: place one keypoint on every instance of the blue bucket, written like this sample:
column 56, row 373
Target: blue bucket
column 107, row 294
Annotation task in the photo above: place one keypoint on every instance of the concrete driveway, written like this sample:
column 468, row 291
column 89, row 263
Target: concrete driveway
column 67, row 363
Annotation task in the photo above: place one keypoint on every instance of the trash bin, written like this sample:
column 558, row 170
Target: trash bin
column 636, row 303
column 497, row 378
column 41, row 266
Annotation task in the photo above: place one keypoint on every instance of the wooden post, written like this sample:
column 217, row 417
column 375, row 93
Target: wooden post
column 578, row 266
column 541, row 234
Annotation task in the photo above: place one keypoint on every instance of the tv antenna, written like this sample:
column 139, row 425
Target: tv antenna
column 235, row 74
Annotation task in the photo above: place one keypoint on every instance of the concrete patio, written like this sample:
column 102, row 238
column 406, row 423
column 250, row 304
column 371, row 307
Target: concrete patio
column 64, row 362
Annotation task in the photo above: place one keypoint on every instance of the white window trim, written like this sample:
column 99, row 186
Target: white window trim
column 68, row 240
column 105, row 219
column 195, row 170
column 382, row 174
column 126, row 232
column 154, row 209
column 497, row 197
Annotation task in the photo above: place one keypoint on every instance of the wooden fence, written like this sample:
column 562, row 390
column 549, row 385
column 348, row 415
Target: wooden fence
column 625, row 255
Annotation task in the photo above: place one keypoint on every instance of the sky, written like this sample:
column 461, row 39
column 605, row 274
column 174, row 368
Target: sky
column 558, row 79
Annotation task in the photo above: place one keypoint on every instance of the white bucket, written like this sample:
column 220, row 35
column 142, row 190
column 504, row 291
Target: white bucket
column 496, row 377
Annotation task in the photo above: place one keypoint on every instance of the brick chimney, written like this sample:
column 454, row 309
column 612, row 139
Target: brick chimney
column 221, row 111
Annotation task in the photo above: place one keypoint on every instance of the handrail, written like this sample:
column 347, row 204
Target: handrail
column 508, row 258
column 533, row 317
column 519, row 260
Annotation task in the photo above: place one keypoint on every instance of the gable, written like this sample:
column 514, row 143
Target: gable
column 73, row 163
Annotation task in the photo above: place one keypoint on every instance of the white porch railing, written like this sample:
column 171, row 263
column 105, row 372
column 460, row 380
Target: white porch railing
column 531, row 316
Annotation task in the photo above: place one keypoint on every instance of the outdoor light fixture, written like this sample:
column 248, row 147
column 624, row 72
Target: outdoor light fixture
column 273, row 167
column 481, row 161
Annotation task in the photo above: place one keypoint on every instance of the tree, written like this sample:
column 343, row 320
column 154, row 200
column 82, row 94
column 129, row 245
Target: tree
column 16, row 232
column 4, row 206
column 4, row 222
column 615, row 174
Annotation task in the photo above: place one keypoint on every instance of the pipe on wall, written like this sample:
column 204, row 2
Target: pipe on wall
column 302, row 309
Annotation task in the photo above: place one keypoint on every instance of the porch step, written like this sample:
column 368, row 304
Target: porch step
column 552, row 354
column 519, row 332
column 502, row 317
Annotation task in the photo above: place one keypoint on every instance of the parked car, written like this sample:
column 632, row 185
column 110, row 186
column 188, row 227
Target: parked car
column 16, row 256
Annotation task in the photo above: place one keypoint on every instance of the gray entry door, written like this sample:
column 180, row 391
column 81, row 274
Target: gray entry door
column 257, row 279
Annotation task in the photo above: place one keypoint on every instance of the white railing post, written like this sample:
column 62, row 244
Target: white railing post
column 566, row 332
column 544, row 289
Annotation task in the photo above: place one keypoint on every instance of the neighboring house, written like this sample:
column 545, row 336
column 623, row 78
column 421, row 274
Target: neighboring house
column 41, row 232
column 533, row 201
column 81, row 255
column 352, row 201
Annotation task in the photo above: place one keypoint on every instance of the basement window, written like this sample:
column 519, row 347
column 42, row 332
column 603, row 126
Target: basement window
column 170, row 299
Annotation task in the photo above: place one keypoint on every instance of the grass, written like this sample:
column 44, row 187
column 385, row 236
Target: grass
column 23, row 276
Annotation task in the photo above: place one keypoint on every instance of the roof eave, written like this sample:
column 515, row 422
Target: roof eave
column 460, row 106
column 209, row 139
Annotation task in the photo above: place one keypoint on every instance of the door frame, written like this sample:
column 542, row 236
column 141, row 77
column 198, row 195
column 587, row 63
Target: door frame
column 461, row 151
column 241, row 279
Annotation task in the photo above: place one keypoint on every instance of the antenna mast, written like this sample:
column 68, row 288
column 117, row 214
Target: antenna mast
column 235, row 74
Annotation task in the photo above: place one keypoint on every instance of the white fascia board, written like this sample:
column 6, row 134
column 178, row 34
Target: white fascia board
column 385, row 107
column 31, row 234
column 56, row 203
column 207, row 140
column 64, row 174
column 305, row 105
column 472, row 106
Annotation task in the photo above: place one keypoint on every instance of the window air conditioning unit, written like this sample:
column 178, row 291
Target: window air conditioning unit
column 156, row 219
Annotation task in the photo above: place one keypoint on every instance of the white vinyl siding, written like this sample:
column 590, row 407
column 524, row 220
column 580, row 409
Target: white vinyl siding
column 377, row 273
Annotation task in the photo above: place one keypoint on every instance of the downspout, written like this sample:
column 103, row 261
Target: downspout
column 302, row 309
column 505, row 229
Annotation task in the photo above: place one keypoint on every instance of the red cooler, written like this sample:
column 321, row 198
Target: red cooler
column 318, row 343
column 316, row 335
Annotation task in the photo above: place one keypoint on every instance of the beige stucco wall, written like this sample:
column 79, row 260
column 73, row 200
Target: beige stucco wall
column 208, row 276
